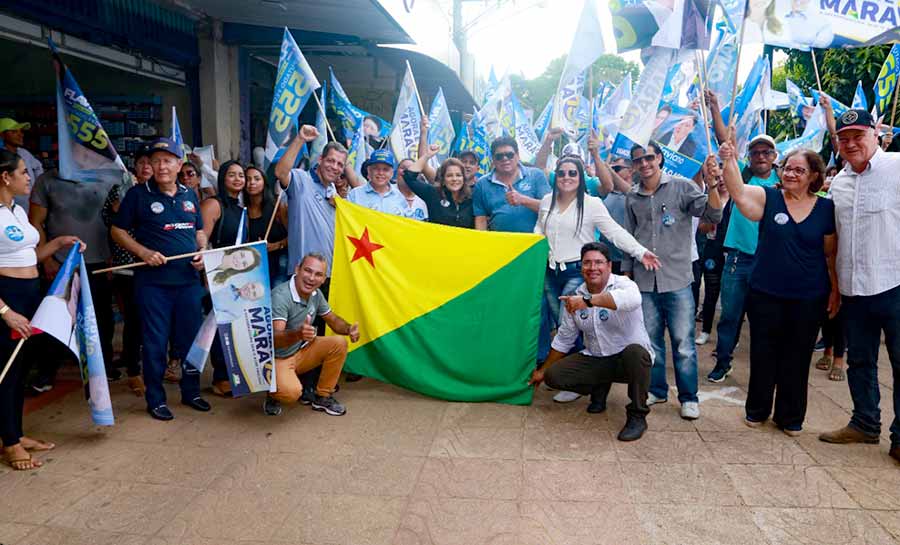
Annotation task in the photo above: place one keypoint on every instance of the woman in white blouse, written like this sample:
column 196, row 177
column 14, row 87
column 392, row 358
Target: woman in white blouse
column 569, row 218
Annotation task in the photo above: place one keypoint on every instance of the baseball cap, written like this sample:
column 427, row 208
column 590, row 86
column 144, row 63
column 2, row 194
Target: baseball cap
column 166, row 144
column 855, row 119
column 381, row 156
column 10, row 124
column 142, row 151
column 468, row 152
column 762, row 139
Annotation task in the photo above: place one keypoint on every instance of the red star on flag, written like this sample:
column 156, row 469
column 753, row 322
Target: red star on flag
column 364, row 247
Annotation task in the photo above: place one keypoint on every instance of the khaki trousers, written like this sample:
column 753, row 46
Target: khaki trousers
column 329, row 352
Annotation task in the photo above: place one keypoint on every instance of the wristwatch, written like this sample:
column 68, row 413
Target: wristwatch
column 587, row 300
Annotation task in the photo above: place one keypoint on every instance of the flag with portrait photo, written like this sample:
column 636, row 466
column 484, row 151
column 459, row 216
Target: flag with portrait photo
column 639, row 24
column 407, row 120
column 637, row 123
column 359, row 150
column 350, row 115
column 295, row 82
column 679, row 132
column 67, row 314
column 433, row 301
column 86, row 153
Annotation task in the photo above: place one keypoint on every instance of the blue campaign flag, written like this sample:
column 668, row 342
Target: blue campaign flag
column 359, row 150
column 859, row 98
column 440, row 128
column 474, row 138
column 527, row 140
column 734, row 13
column 351, row 116
column 85, row 152
column 839, row 108
column 543, row 120
column 176, row 131
column 720, row 67
column 295, row 82
column 887, row 79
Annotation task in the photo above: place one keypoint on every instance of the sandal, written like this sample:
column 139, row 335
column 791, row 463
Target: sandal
column 22, row 464
column 136, row 385
column 222, row 388
column 837, row 374
column 824, row 363
column 38, row 445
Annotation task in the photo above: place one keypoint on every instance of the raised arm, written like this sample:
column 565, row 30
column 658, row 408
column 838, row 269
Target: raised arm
column 712, row 102
column 750, row 200
column 543, row 154
column 603, row 172
column 307, row 133
column 425, row 169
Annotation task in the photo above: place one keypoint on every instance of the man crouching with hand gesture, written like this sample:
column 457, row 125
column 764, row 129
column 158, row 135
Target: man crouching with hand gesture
column 295, row 304
column 606, row 308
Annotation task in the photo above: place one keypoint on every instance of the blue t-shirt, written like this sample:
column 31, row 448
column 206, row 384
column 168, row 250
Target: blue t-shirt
column 742, row 233
column 392, row 202
column 615, row 205
column 310, row 218
column 165, row 224
column 489, row 199
column 790, row 261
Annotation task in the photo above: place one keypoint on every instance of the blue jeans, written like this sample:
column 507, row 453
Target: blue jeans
column 673, row 310
column 733, row 294
column 556, row 283
column 864, row 319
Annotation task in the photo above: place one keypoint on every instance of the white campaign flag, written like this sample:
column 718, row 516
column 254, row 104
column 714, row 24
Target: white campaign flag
column 587, row 46
column 638, row 122
column 407, row 120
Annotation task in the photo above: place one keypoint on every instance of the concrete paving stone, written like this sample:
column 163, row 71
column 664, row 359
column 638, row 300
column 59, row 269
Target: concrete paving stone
column 44, row 535
column 34, row 497
column 494, row 443
column 760, row 446
column 583, row 523
column 870, row 487
column 788, row 486
column 335, row 519
column 455, row 521
column 665, row 447
column 13, row 532
column 699, row 525
column 890, row 521
column 483, row 415
column 679, row 484
column 820, row 527
column 569, row 443
column 567, row 415
column 556, row 480
column 453, row 477
column 852, row 455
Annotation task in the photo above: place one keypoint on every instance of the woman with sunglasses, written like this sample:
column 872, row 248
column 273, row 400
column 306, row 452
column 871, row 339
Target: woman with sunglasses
column 451, row 202
column 568, row 217
column 792, row 284
column 189, row 177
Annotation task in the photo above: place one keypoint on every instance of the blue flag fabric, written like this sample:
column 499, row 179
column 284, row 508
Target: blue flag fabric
column 440, row 128
column 859, row 98
column 720, row 66
column 839, row 107
column 295, row 82
column 734, row 13
column 638, row 122
column 543, row 120
column 176, row 131
column 527, row 140
column 887, row 79
column 85, row 152
column 351, row 116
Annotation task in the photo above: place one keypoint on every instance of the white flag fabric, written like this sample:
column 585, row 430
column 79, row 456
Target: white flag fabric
column 587, row 46
column 637, row 123
column 407, row 120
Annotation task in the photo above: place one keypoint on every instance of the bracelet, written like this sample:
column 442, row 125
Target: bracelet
column 4, row 310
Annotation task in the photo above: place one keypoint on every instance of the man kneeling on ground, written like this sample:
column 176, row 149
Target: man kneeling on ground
column 295, row 305
column 606, row 308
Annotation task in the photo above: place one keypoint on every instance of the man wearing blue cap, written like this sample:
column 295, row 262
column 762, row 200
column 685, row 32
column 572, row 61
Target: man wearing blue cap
column 165, row 219
column 378, row 194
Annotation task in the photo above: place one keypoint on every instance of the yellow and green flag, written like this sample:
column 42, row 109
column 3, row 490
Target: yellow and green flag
column 447, row 312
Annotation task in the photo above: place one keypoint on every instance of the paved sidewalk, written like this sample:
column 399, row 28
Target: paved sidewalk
column 407, row 470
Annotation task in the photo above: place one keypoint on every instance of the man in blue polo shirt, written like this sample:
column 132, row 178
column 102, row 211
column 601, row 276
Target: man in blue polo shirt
column 379, row 194
column 165, row 219
column 507, row 198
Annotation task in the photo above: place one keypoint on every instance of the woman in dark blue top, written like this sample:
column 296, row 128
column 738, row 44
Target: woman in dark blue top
column 450, row 203
column 792, row 284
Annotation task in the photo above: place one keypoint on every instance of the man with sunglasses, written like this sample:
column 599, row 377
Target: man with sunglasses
column 508, row 197
column 659, row 214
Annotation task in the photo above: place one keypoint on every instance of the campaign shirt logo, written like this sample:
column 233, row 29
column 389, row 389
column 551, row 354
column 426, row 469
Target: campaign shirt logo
column 157, row 207
column 445, row 203
column 178, row 226
column 188, row 206
column 781, row 218
column 14, row 234
column 525, row 186
column 603, row 314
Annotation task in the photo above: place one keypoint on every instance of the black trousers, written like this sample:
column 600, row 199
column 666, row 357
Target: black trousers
column 782, row 337
column 834, row 335
column 712, row 284
column 697, row 271
column 22, row 296
column 589, row 375
column 123, row 287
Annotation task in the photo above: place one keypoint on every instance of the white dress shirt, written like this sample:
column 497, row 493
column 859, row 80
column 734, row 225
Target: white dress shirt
column 566, row 240
column 867, row 214
column 606, row 332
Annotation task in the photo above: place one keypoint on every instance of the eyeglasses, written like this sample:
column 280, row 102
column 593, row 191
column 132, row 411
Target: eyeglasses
column 619, row 168
column 562, row 173
column 504, row 156
column 761, row 153
column 799, row 171
column 649, row 158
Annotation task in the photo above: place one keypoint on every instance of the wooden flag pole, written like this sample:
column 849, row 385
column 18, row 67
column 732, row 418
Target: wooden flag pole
column 274, row 213
column 172, row 258
column 737, row 66
column 812, row 53
column 11, row 359
column 324, row 115
column 698, row 58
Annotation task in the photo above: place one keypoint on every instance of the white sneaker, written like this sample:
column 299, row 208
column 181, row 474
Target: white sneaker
column 653, row 400
column 690, row 410
column 566, row 397
column 702, row 338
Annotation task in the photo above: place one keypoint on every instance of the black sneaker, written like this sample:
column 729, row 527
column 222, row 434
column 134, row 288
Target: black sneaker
column 308, row 396
column 329, row 405
column 198, row 404
column 161, row 413
column 272, row 406
column 718, row 374
column 634, row 428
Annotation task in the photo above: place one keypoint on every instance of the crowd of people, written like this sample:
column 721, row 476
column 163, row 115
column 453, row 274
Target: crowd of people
column 782, row 241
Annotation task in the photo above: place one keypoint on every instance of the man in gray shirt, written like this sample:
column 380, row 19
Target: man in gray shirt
column 658, row 214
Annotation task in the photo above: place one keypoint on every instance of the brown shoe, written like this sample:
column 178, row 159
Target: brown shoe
column 895, row 452
column 136, row 385
column 173, row 371
column 849, row 434
column 222, row 388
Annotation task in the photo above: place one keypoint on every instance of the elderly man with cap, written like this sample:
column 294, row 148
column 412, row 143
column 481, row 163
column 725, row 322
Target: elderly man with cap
column 13, row 137
column 742, row 236
column 866, row 194
column 379, row 194
column 165, row 219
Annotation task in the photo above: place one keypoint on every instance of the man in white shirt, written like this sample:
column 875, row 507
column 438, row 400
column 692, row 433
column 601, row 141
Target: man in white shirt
column 866, row 196
column 12, row 133
column 606, row 309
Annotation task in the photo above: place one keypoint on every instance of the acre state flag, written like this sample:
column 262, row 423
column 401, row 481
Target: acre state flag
column 447, row 312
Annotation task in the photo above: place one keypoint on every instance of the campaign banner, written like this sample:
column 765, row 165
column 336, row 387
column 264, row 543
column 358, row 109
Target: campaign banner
column 238, row 280
column 377, row 129
column 440, row 128
column 638, row 123
column 85, row 152
column 527, row 140
column 543, row 120
column 887, row 79
column 176, row 135
column 407, row 120
column 805, row 24
column 67, row 314
column 720, row 66
column 680, row 132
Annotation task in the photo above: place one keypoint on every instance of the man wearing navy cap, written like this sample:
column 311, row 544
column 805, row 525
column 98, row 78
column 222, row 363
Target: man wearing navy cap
column 165, row 219
column 378, row 194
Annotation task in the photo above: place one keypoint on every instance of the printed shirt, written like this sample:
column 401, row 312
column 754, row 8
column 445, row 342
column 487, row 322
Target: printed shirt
column 416, row 209
column 310, row 218
column 165, row 224
column 661, row 222
column 606, row 332
column 489, row 199
column 867, row 214
column 392, row 202
column 743, row 234
column 290, row 307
